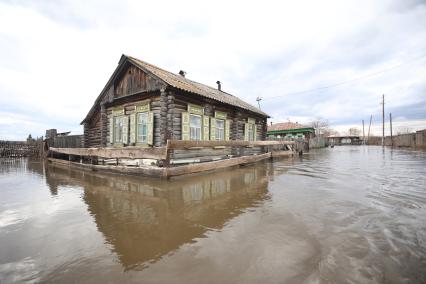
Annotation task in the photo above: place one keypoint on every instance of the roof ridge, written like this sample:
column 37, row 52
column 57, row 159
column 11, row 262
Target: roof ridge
column 181, row 82
column 175, row 74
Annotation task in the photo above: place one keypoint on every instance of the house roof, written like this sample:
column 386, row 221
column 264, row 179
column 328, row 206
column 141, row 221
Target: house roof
column 183, row 83
column 287, row 126
column 179, row 82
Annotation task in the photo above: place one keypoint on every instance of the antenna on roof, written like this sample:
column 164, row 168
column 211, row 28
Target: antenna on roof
column 258, row 99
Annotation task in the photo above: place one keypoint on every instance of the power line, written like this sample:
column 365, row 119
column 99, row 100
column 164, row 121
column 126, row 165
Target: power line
column 347, row 81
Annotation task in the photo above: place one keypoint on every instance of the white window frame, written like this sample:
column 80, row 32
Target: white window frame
column 220, row 131
column 118, row 129
column 251, row 132
column 141, row 138
column 195, row 132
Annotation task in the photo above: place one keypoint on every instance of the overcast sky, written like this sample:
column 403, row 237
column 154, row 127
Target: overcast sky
column 306, row 59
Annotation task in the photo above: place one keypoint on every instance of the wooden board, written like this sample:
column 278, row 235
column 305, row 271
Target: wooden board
column 157, row 153
column 145, row 171
column 281, row 154
column 183, row 144
column 200, row 167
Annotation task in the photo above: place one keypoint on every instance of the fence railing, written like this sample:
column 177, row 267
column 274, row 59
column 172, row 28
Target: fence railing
column 181, row 152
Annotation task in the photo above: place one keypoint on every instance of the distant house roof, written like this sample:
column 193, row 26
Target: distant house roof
column 286, row 126
column 180, row 82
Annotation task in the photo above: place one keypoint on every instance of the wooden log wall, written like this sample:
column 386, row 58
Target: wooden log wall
column 134, row 80
column 92, row 132
column 238, row 118
column 167, row 104
column 69, row 141
column 129, row 106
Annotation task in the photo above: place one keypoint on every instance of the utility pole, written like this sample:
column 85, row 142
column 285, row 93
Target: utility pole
column 363, row 133
column 383, row 120
column 390, row 124
column 369, row 127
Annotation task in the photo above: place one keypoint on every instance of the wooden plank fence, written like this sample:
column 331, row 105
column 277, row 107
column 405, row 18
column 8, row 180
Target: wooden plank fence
column 16, row 149
column 180, row 157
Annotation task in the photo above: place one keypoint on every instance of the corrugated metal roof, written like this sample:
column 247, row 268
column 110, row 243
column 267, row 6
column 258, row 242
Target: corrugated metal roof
column 286, row 126
column 182, row 83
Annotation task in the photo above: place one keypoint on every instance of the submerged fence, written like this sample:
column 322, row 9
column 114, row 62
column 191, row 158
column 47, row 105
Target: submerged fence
column 177, row 157
column 16, row 149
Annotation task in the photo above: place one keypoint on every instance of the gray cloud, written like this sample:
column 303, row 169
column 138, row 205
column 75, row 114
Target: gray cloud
column 55, row 56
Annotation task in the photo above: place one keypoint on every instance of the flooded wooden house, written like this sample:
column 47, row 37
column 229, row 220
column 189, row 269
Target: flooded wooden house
column 155, row 120
column 144, row 105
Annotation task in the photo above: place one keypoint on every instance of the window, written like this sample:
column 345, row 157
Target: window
column 142, row 127
column 195, row 127
column 251, row 132
column 118, row 129
column 220, row 129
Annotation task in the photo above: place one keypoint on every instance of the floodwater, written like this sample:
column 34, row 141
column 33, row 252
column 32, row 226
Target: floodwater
column 351, row 214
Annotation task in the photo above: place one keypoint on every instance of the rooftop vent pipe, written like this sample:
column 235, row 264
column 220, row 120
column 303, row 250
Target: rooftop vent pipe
column 182, row 73
column 219, row 86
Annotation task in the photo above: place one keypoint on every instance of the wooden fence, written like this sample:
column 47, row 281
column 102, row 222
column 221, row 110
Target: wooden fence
column 179, row 157
column 16, row 149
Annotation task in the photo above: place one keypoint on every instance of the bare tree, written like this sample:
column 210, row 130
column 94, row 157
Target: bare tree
column 320, row 125
column 353, row 131
column 403, row 130
column 330, row 132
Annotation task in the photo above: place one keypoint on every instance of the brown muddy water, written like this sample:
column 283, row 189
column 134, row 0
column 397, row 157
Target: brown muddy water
column 343, row 215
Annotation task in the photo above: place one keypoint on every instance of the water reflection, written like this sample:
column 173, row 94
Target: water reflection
column 144, row 219
column 342, row 215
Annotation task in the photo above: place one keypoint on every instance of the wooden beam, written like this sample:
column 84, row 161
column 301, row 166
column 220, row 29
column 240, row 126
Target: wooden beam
column 157, row 153
column 145, row 171
column 281, row 154
column 200, row 167
column 186, row 144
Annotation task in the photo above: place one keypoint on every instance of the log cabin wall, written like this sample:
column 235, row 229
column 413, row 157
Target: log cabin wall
column 92, row 132
column 132, row 85
column 129, row 105
column 133, row 80
column 238, row 117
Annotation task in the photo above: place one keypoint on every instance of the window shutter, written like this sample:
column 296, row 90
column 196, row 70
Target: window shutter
column 111, row 129
column 254, row 132
column 227, row 129
column 206, row 132
column 212, row 129
column 150, row 129
column 125, row 129
column 246, row 131
column 132, row 128
column 185, row 125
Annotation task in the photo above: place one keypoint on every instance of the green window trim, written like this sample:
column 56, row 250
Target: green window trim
column 142, row 107
column 195, row 127
column 185, row 126
column 120, row 130
column 212, row 128
column 220, row 115
column 195, row 109
column 227, row 129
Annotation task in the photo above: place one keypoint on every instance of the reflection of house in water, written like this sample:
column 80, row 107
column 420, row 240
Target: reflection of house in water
column 144, row 219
